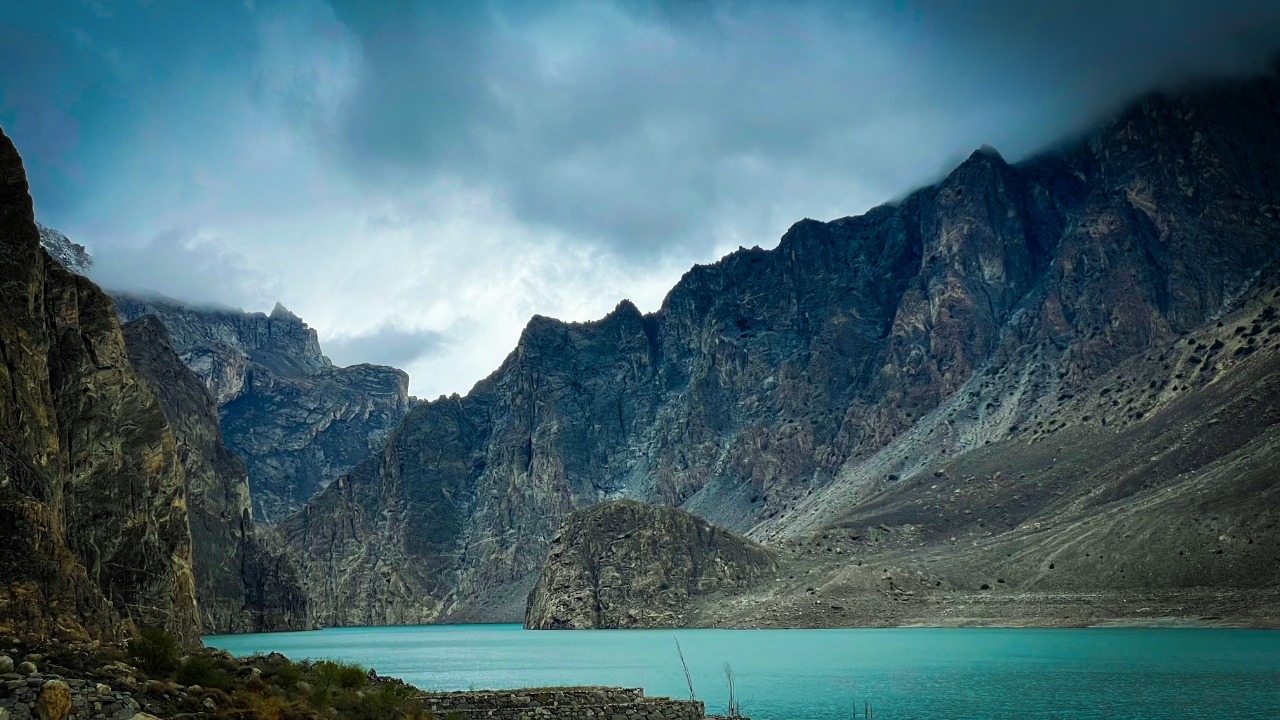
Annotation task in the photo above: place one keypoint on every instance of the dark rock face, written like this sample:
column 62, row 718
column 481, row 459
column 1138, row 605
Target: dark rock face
column 775, row 389
column 242, row 584
column 295, row 419
column 92, row 495
column 624, row 564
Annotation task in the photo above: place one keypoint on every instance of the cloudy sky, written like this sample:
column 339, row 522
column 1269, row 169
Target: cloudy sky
column 416, row 179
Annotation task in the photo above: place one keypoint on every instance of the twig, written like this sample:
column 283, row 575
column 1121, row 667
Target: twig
column 688, row 678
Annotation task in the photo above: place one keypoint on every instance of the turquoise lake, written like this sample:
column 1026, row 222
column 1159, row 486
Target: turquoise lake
column 925, row 674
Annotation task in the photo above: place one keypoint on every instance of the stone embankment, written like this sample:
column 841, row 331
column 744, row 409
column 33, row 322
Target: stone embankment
column 595, row 703
column 28, row 694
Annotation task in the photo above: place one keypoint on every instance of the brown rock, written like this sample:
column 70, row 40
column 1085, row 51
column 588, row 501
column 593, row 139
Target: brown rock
column 54, row 701
column 92, row 495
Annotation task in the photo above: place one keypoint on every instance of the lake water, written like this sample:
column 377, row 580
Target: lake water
column 964, row 674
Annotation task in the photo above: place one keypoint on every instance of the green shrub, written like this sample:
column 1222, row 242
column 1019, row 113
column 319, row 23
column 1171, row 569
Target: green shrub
column 155, row 651
column 384, row 702
column 347, row 676
column 203, row 671
column 288, row 676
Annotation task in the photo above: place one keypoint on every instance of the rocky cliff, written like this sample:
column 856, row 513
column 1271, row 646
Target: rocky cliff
column 68, row 254
column 624, row 564
column 295, row 419
column 244, row 583
column 776, row 390
column 92, row 494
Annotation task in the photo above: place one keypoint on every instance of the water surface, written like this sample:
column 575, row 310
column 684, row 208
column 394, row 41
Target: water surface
column 936, row 674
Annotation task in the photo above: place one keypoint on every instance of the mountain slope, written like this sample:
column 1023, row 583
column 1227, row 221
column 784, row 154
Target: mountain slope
column 243, row 584
column 92, row 494
column 775, row 391
column 295, row 419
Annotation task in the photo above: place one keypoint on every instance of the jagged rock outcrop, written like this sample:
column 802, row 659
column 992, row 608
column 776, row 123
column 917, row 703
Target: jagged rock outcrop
column 295, row 419
column 624, row 564
column 68, row 254
column 92, row 495
column 774, row 390
column 244, row 581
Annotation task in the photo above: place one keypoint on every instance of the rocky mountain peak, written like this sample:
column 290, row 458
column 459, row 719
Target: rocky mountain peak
column 70, row 255
column 986, row 152
column 840, row 362
column 296, row 419
column 280, row 312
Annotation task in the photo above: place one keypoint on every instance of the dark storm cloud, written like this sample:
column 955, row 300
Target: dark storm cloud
column 638, row 125
column 390, row 345
column 420, row 166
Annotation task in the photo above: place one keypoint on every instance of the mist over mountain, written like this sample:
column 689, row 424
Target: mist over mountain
column 365, row 166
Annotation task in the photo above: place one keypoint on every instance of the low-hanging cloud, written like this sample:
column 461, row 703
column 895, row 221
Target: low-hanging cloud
column 644, row 126
column 416, row 179
column 393, row 346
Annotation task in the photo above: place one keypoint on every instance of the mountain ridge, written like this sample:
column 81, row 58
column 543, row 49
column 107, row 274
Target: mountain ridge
column 295, row 418
column 771, row 376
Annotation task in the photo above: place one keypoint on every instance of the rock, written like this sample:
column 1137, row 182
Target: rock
column 66, row 253
column 6, row 664
column 209, row 704
column 296, row 420
column 54, row 701
column 773, row 386
column 94, row 496
column 624, row 564
column 102, row 690
column 27, row 668
column 245, row 582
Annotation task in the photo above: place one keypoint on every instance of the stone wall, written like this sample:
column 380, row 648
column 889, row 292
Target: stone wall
column 597, row 703
column 21, row 696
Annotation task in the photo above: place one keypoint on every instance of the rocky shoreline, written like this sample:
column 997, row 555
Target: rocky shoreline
column 147, row 680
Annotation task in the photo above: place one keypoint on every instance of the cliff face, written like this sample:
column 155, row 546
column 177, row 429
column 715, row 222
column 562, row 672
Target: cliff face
column 295, row 419
column 92, row 494
column 242, row 584
column 623, row 564
column 776, row 389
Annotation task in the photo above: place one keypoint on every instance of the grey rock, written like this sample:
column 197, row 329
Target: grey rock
column 245, row 581
column 66, row 253
column 624, row 564
column 776, row 389
column 295, row 419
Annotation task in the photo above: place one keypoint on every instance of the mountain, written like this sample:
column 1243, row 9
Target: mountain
column 624, row 564
column 295, row 419
column 244, row 581
column 791, row 392
column 92, row 493
column 68, row 254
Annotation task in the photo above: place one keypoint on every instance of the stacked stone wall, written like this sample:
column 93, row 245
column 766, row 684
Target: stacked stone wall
column 20, row 697
column 601, row 703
